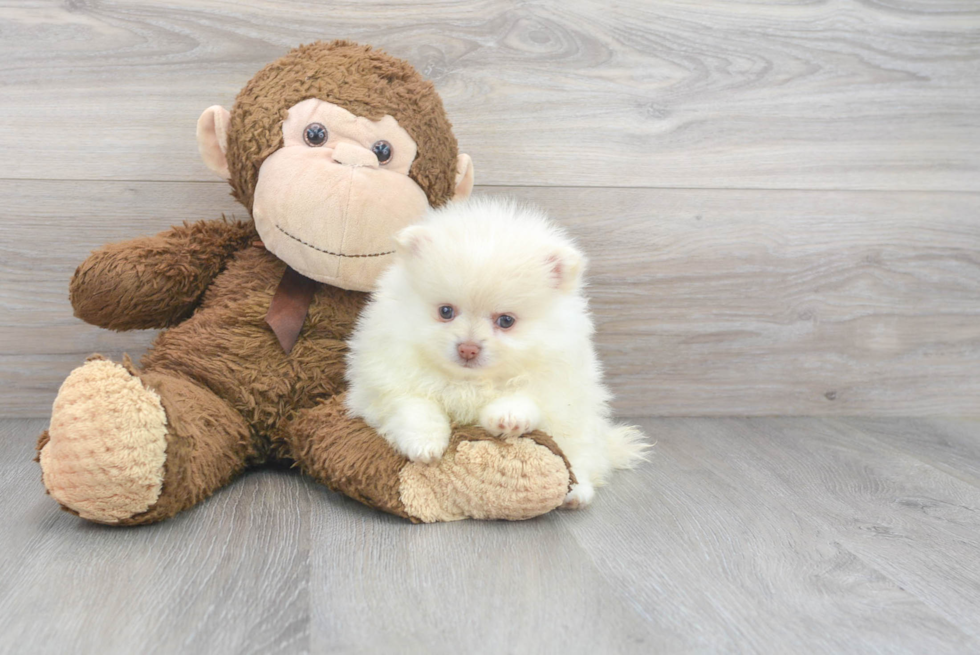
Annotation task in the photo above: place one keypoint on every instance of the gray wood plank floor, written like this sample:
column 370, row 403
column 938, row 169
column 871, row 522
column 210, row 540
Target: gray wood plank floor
column 740, row 535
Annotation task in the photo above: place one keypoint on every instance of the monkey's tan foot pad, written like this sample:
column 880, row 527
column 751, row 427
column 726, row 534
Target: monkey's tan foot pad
column 106, row 445
column 510, row 479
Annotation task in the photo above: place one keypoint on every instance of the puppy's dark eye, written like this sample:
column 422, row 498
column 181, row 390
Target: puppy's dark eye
column 505, row 321
column 382, row 150
column 315, row 135
column 447, row 313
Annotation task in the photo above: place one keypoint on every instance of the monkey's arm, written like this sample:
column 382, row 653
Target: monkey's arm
column 154, row 282
column 478, row 475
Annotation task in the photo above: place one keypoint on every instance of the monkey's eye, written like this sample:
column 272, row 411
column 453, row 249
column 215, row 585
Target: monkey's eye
column 505, row 321
column 382, row 150
column 315, row 135
column 447, row 312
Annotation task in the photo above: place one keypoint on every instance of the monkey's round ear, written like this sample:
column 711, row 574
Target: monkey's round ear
column 212, row 139
column 410, row 241
column 464, row 177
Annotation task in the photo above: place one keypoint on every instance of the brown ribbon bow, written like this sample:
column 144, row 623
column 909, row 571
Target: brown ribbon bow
column 289, row 307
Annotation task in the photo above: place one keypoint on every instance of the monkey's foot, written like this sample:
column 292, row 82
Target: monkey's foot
column 104, row 453
column 484, row 478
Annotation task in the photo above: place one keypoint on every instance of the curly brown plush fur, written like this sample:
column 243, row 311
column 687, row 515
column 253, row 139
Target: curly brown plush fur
column 173, row 269
column 362, row 80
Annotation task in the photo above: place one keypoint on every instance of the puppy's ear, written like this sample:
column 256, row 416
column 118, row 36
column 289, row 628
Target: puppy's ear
column 565, row 269
column 411, row 241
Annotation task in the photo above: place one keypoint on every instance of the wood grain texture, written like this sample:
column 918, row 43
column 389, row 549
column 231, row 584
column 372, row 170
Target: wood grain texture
column 723, row 535
column 908, row 519
column 750, row 535
column 229, row 576
column 452, row 588
column 950, row 445
column 708, row 302
column 830, row 95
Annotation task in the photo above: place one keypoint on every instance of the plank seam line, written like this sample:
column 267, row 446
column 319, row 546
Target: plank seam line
column 971, row 192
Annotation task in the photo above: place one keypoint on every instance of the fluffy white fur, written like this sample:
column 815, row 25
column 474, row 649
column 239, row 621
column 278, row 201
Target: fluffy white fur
column 486, row 258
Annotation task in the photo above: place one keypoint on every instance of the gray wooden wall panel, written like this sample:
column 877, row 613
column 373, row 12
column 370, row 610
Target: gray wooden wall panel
column 829, row 95
column 708, row 302
column 782, row 201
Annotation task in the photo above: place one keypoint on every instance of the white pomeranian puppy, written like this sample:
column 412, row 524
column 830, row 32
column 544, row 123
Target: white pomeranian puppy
column 481, row 319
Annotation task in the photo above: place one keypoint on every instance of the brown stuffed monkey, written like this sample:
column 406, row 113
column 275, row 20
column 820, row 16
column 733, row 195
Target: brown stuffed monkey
column 332, row 149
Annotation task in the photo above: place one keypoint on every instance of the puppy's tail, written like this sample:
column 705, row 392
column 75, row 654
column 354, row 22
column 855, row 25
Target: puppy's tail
column 627, row 446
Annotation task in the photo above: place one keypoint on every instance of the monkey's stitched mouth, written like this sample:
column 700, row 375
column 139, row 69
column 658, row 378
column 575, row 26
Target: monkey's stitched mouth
column 327, row 252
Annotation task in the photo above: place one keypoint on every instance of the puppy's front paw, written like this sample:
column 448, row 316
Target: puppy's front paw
column 580, row 496
column 510, row 417
column 420, row 431
column 424, row 448
column 423, row 440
